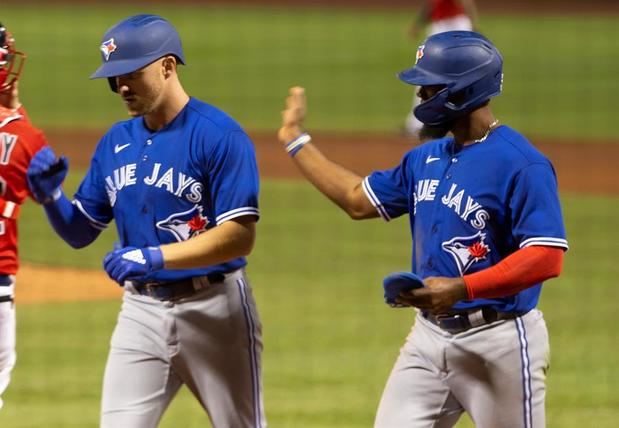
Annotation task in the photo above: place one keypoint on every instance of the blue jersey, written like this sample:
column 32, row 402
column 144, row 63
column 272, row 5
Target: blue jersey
column 473, row 206
column 197, row 172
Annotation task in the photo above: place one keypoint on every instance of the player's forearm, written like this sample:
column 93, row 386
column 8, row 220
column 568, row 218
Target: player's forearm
column 339, row 184
column 225, row 242
column 69, row 222
column 519, row 271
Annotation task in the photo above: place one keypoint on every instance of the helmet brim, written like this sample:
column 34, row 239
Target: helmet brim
column 420, row 77
column 125, row 66
column 120, row 67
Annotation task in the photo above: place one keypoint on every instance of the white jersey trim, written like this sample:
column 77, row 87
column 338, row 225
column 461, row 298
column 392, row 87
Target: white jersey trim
column 9, row 209
column 95, row 223
column 238, row 212
column 374, row 200
column 10, row 119
column 545, row 241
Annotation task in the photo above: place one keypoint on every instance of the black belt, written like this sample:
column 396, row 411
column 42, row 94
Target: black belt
column 174, row 290
column 5, row 281
column 457, row 322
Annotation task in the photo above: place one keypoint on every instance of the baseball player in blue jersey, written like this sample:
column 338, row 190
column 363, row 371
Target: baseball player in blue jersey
column 487, row 230
column 181, row 182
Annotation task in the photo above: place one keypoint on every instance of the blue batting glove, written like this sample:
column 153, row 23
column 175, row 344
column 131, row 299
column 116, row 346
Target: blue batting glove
column 397, row 283
column 131, row 263
column 45, row 175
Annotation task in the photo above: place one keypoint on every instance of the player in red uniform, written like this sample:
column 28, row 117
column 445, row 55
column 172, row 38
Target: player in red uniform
column 19, row 141
column 438, row 16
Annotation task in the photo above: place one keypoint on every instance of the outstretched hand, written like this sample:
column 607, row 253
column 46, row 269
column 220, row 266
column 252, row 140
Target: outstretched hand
column 45, row 174
column 293, row 115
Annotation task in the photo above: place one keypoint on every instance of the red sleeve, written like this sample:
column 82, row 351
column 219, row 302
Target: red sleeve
column 519, row 271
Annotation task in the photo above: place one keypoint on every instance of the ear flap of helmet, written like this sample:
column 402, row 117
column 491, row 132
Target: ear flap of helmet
column 112, row 83
column 432, row 111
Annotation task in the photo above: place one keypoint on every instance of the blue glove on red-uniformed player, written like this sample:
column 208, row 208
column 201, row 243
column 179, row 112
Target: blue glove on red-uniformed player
column 397, row 283
column 131, row 263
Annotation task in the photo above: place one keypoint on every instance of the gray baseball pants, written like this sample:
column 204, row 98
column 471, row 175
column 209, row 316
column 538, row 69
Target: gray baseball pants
column 495, row 372
column 7, row 336
column 211, row 342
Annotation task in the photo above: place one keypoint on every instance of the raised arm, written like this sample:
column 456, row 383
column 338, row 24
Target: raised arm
column 339, row 184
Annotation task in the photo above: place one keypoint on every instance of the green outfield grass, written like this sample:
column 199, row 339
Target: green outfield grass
column 560, row 73
column 329, row 340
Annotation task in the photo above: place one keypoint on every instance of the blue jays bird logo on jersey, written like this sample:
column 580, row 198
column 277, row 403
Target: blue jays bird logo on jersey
column 107, row 48
column 186, row 224
column 419, row 53
column 467, row 250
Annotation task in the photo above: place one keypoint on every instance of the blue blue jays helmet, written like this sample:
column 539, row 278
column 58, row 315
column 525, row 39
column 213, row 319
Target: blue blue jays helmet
column 134, row 43
column 469, row 67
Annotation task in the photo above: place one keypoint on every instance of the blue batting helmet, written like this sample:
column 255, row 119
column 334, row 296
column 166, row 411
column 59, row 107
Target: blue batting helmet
column 469, row 67
column 136, row 42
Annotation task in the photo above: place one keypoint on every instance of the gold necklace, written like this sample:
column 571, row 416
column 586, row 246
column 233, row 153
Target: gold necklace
column 490, row 128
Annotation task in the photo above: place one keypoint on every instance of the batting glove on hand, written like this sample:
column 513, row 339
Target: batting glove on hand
column 45, row 175
column 397, row 283
column 131, row 263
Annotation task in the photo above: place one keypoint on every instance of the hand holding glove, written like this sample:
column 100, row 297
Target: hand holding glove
column 397, row 283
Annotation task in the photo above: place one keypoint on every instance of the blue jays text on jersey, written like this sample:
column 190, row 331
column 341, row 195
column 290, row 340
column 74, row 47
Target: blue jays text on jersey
column 197, row 172
column 472, row 206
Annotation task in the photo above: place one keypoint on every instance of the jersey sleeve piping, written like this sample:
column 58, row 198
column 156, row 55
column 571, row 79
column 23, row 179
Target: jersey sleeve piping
column 374, row 200
column 544, row 241
column 238, row 212
column 95, row 223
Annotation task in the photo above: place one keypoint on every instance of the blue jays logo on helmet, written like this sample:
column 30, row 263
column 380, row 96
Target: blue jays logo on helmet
column 419, row 53
column 467, row 250
column 107, row 47
column 186, row 224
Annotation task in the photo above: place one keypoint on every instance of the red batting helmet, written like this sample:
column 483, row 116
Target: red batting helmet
column 11, row 61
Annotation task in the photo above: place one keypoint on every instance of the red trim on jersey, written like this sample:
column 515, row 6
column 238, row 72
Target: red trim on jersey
column 444, row 9
column 517, row 272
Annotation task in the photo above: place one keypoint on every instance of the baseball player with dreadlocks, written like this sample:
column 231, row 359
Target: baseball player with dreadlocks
column 180, row 180
column 19, row 141
column 487, row 231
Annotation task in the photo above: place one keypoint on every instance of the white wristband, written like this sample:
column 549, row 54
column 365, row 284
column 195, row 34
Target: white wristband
column 297, row 144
